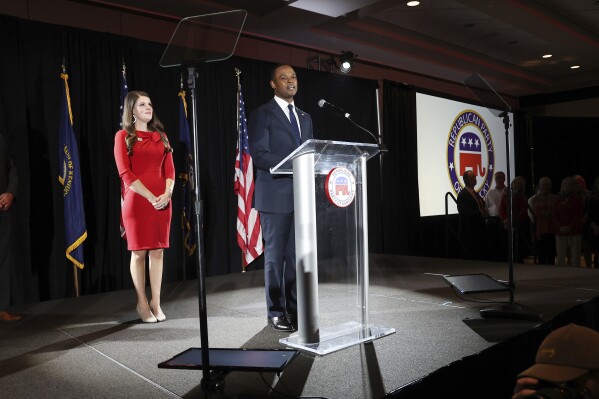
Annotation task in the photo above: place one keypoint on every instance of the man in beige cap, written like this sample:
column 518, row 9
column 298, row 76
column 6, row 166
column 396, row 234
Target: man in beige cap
column 568, row 359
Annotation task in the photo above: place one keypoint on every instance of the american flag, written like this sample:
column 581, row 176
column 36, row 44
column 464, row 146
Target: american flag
column 249, row 232
column 124, row 92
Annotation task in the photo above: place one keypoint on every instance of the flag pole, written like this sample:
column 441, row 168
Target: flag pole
column 76, row 279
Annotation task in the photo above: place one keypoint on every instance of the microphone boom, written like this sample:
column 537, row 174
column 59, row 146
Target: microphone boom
column 322, row 103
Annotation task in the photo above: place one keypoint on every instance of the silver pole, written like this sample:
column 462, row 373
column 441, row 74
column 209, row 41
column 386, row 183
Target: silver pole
column 363, row 221
column 305, row 248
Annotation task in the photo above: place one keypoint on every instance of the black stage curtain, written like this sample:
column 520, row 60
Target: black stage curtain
column 401, row 224
column 555, row 147
column 30, row 91
column 564, row 147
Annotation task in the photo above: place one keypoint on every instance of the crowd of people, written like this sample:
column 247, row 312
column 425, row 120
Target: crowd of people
column 555, row 229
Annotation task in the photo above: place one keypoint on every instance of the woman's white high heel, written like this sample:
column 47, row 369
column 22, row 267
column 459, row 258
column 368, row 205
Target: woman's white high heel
column 146, row 316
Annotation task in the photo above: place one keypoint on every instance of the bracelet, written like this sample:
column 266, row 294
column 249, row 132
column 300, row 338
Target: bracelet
column 169, row 191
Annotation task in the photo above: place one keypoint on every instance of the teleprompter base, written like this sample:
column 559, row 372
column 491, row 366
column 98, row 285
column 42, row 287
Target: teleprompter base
column 224, row 359
column 511, row 311
column 481, row 283
column 475, row 283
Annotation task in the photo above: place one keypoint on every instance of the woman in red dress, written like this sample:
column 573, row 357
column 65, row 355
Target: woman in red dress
column 145, row 163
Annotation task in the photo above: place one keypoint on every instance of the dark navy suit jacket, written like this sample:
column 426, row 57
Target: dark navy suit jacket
column 270, row 141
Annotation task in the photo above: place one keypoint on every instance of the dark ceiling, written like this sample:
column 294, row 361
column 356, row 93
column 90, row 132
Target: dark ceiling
column 502, row 40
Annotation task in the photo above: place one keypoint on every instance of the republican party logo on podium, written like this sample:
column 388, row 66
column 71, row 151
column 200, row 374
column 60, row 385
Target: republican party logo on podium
column 340, row 186
column 470, row 147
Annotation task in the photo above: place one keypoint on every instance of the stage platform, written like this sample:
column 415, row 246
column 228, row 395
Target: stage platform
column 96, row 347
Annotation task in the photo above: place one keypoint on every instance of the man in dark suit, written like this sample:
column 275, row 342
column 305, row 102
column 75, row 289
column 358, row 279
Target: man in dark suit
column 8, row 192
column 276, row 129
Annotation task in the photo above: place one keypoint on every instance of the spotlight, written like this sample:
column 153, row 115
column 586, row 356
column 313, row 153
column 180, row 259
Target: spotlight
column 346, row 60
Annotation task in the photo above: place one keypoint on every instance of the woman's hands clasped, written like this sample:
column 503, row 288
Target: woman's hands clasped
column 161, row 201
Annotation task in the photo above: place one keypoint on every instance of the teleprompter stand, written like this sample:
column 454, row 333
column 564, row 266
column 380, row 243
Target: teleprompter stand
column 480, row 283
column 196, row 40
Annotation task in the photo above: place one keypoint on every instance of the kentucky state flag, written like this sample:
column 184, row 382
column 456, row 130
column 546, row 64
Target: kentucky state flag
column 70, row 179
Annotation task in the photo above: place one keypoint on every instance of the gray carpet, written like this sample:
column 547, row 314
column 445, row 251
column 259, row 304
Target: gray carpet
column 95, row 346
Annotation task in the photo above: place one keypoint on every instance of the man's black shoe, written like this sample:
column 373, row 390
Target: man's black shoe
column 292, row 319
column 280, row 324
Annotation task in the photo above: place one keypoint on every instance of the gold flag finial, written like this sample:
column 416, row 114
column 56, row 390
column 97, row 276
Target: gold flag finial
column 238, row 73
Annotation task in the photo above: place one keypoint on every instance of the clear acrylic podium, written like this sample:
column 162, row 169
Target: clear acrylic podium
column 331, row 242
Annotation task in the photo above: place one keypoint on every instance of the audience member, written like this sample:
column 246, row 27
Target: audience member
column 542, row 212
column 585, row 242
column 594, row 222
column 566, row 366
column 569, row 212
column 472, row 214
column 8, row 192
column 495, row 233
column 519, row 217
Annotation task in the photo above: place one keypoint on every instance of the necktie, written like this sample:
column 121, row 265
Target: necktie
column 294, row 125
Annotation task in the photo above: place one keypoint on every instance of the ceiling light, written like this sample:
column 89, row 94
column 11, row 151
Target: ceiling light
column 412, row 3
column 548, row 56
column 575, row 67
column 346, row 61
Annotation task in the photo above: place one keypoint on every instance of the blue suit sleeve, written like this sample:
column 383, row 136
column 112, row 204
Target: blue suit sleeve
column 260, row 129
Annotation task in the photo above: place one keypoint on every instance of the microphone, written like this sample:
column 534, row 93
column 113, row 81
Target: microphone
column 323, row 103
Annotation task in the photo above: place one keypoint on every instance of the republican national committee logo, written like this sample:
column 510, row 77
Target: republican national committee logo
column 470, row 147
column 340, row 186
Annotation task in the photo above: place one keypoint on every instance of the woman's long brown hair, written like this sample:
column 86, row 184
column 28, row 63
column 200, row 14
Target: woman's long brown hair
column 154, row 125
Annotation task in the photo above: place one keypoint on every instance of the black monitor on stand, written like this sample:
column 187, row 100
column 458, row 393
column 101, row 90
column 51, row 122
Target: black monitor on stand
column 196, row 40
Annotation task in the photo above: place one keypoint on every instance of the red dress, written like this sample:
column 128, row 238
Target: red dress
column 145, row 226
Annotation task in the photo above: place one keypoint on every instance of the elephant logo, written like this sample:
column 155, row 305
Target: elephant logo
column 470, row 147
column 340, row 187
column 470, row 154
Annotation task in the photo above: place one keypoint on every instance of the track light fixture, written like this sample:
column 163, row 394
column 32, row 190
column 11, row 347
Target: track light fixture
column 346, row 61
column 343, row 62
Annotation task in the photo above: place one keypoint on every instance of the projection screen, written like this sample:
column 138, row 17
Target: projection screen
column 454, row 137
